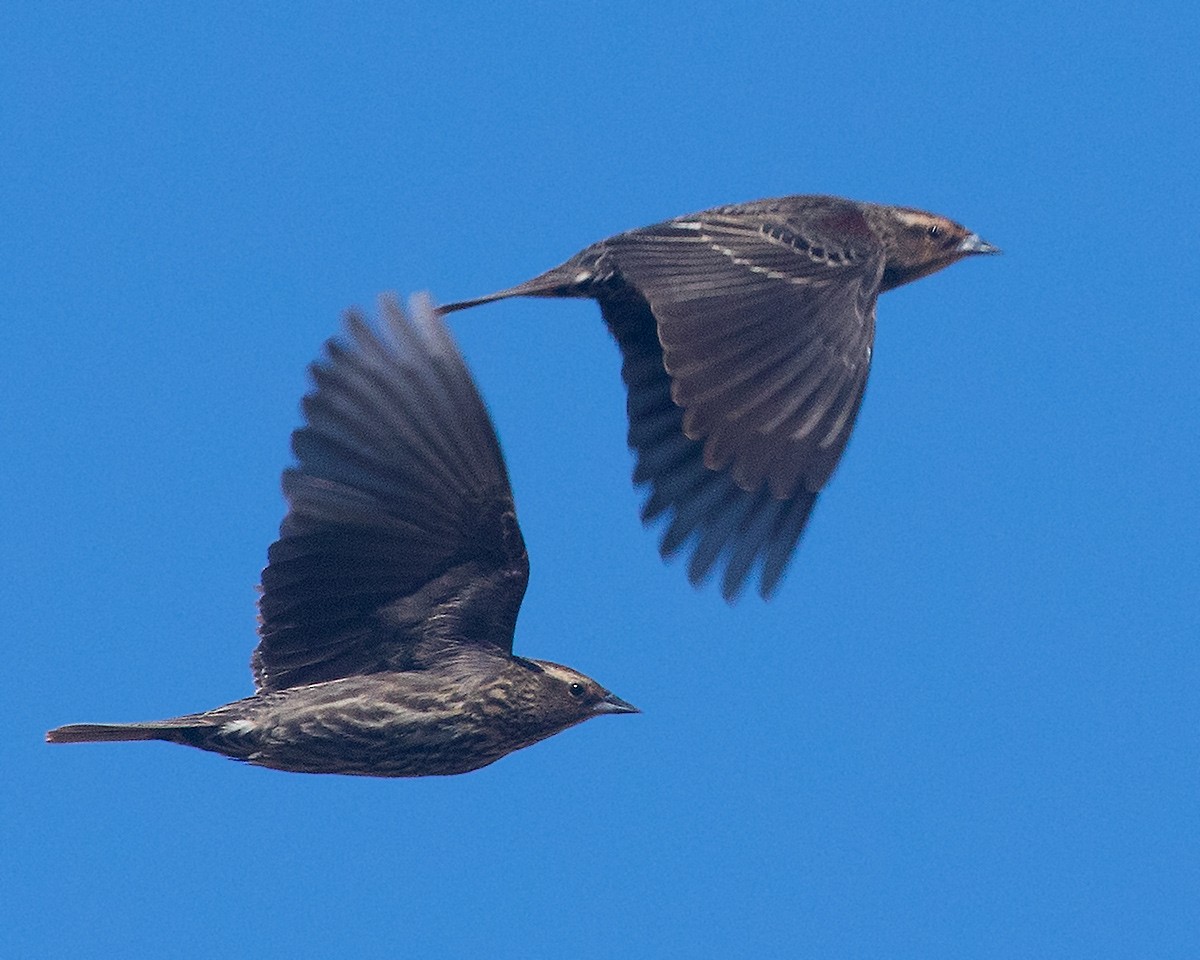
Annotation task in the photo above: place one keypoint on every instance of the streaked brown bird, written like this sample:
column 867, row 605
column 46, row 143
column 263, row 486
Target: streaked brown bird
column 390, row 599
column 746, row 334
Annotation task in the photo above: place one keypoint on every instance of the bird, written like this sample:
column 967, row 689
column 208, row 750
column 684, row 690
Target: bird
column 390, row 599
column 746, row 333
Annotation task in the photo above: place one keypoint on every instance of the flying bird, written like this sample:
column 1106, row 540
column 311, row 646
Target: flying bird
column 746, row 334
column 390, row 599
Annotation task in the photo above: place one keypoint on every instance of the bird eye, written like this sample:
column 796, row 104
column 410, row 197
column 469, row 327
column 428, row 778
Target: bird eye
column 575, row 689
column 934, row 230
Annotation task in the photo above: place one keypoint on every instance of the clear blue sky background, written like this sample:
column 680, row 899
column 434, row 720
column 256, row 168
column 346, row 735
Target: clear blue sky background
column 967, row 726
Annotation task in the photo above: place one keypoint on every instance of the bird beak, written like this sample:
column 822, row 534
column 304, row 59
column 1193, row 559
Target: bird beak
column 614, row 704
column 974, row 243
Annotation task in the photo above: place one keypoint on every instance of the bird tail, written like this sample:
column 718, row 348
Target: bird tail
column 104, row 732
column 464, row 304
column 175, row 730
column 566, row 280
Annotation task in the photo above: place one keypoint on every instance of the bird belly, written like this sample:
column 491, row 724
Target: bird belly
column 362, row 734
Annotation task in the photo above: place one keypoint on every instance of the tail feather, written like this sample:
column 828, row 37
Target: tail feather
column 567, row 280
column 464, row 304
column 174, row 730
column 102, row 732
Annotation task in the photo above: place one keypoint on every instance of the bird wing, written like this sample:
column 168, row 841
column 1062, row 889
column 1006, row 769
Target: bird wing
column 766, row 322
column 401, row 541
column 717, row 523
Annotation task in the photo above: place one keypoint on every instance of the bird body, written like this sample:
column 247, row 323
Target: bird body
column 391, row 724
column 746, row 334
column 390, row 599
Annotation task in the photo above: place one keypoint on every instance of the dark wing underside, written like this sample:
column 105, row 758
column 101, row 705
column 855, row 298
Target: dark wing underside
column 766, row 324
column 720, row 525
column 401, row 537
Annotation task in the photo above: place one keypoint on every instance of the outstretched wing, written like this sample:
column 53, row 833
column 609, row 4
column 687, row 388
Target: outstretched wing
column 720, row 525
column 401, row 539
column 766, row 324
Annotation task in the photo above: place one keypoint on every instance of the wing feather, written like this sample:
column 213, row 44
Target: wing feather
column 719, row 525
column 401, row 535
column 766, row 331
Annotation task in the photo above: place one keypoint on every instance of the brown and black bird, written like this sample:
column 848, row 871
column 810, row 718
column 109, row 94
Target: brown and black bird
column 746, row 334
column 390, row 599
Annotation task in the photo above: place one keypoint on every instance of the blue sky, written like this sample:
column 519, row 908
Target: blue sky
column 966, row 726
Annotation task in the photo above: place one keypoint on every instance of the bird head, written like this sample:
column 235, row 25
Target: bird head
column 568, row 697
column 920, row 243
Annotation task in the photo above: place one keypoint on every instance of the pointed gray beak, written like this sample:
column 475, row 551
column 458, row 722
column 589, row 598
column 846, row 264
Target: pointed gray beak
column 614, row 704
column 974, row 243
